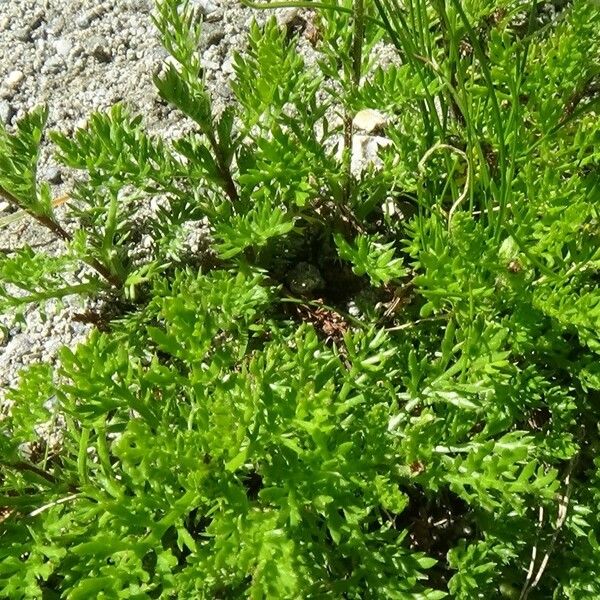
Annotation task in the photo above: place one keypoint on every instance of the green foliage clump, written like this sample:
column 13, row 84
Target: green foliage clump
column 421, row 421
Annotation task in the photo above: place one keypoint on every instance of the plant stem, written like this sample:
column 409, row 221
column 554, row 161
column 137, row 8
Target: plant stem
column 358, row 34
column 60, row 232
column 25, row 466
column 80, row 288
column 310, row 5
column 317, row 304
column 358, row 40
column 224, row 171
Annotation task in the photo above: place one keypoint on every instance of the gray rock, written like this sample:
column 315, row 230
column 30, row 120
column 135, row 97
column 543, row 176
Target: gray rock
column 205, row 7
column 5, row 111
column 53, row 175
column 83, row 21
column 56, row 26
column 305, row 279
column 54, row 64
column 10, row 85
column 212, row 34
column 28, row 31
column 227, row 66
column 100, row 49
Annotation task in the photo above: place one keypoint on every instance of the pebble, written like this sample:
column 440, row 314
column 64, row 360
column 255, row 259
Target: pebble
column 62, row 47
column 56, row 26
column 370, row 120
column 53, row 175
column 287, row 15
column 100, row 49
column 205, row 7
column 54, row 64
column 14, row 78
column 5, row 111
column 227, row 67
column 33, row 23
column 83, row 21
column 212, row 34
column 291, row 20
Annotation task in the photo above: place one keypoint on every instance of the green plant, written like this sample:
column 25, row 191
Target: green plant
column 422, row 420
column 114, row 151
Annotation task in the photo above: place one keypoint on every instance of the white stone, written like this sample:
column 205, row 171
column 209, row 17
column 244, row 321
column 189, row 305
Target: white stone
column 54, row 64
column 205, row 7
column 14, row 79
column 286, row 15
column 82, row 21
column 227, row 67
column 62, row 47
column 369, row 120
column 365, row 151
column 390, row 208
column 5, row 111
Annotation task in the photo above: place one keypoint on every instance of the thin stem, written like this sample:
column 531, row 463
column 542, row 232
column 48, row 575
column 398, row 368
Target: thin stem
column 41, row 509
column 102, row 270
column 56, row 228
column 358, row 40
column 317, row 304
column 60, row 232
column 412, row 324
column 358, row 35
column 20, row 214
column 563, row 505
column 397, row 27
column 224, row 171
column 25, row 466
column 493, row 95
column 467, row 185
column 69, row 290
column 309, row 5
